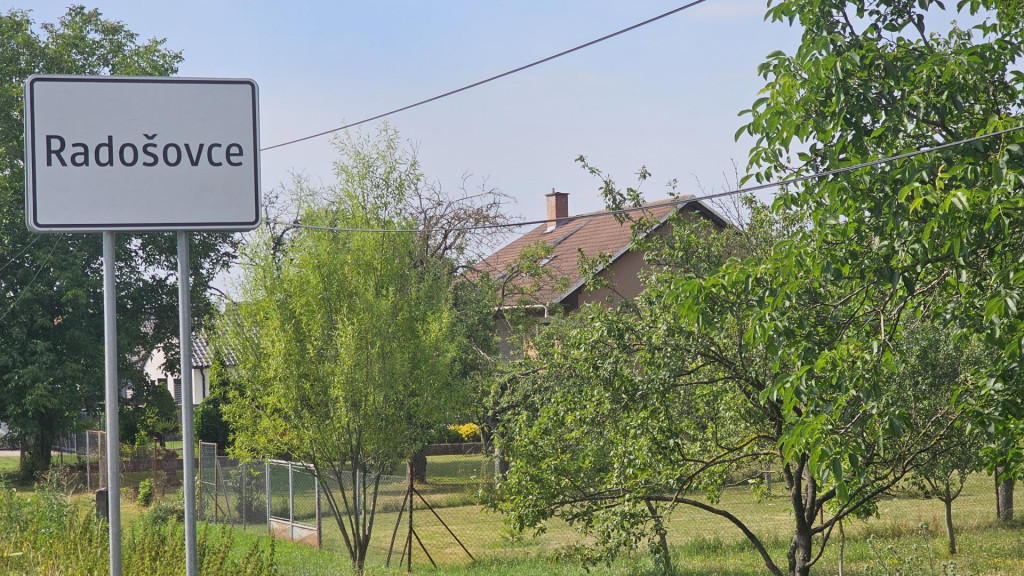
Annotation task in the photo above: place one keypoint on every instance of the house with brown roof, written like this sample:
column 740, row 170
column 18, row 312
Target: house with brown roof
column 555, row 280
column 563, row 239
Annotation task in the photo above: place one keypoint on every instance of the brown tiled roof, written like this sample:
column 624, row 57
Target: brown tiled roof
column 592, row 234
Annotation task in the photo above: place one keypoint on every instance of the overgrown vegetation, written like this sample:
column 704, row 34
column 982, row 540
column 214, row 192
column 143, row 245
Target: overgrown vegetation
column 45, row 534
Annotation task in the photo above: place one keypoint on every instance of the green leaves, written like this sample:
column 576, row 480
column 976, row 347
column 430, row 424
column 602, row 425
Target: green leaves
column 51, row 366
column 350, row 350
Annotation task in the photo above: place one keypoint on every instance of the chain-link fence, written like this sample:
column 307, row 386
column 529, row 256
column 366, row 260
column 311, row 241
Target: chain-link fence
column 231, row 492
column 450, row 519
column 294, row 501
column 241, row 494
column 84, row 457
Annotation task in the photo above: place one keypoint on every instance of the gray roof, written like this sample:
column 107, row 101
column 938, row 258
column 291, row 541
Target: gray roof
column 202, row 353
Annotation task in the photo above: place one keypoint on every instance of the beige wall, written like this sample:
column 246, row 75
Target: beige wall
column 624, row 274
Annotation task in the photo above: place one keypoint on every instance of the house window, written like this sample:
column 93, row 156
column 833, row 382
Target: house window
column 177, row 391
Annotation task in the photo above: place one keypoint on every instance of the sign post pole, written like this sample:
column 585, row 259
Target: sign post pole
column 187, row 429
column 112, row 386
column 142, row 154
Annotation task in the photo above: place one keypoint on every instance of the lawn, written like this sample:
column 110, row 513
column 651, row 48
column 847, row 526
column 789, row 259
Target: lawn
column 906, row 529
column 906, row 537
column 8, row 465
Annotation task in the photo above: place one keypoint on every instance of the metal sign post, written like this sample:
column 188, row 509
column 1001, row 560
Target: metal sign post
column 142, row 154
column 113, row 386
column 187, row 428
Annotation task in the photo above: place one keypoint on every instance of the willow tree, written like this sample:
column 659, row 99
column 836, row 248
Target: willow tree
column 347, row 343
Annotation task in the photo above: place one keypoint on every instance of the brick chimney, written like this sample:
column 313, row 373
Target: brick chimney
column 558, row 208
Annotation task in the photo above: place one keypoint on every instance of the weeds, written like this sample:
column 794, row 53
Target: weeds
column 145, row 497
column 917, row 559
column 47, row 535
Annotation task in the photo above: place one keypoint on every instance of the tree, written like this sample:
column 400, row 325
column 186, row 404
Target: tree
column 350, row 351
column 210, row 423
column 933, row 361
column 150, row 412
column 740, row 352
column 51, row 321
column 455, row 230
column 878, row 79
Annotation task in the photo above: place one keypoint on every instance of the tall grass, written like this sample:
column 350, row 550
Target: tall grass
column 44, row 534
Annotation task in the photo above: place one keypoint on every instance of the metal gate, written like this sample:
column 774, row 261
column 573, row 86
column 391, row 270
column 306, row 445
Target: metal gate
column 293, row 503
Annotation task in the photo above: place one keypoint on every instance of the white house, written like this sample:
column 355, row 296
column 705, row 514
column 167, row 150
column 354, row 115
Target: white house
column 202, row 359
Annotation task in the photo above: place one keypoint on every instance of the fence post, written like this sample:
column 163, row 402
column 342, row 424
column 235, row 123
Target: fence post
column 88, row 466
column 319, row 522
column 216, row 491
column 291, row 503
column 266, row 478
column 245, row 503
column 199, row 497
column 408, row 559
column 156, row 484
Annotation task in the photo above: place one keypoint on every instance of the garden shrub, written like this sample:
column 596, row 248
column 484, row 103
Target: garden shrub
column 145, row 497
column 468, row 432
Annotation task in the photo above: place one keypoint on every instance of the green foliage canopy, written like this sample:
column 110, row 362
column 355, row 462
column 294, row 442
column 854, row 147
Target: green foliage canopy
column 350, row 353
column 51, row 320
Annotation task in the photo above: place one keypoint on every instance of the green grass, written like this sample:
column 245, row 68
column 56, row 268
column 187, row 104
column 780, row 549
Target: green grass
column 703, row 543
column 459, row 468
column 989, row 551
column 707, row 544
column 908, row 534
column 9, row 465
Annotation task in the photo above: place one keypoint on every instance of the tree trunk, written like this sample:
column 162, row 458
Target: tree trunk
column 948, row 502
column 666, row 555
column 500, row 465
column 842, row 547
column 799, row 554
column 363, row 545
column 500, row 462
column 417, row 466
column 36, row 452
column 801, row 492
column 1004, row 495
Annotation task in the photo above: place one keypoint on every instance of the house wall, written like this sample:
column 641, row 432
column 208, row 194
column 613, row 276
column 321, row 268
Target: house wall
column 623, row 274
column 200, row 377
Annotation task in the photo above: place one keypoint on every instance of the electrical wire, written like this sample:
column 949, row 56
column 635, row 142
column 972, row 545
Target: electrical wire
column 486, row 80
column 23, row 250
column 678, row 202
column 30, row 282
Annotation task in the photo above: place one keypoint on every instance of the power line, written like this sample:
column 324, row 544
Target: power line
column 486, row 80
column 30, row 282
column 23, row 250
column 747, row 190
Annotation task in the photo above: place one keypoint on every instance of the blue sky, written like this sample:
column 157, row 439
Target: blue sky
column 665, row 96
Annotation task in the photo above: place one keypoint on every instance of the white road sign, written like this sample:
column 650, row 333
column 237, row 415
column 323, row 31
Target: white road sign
column 141, row 154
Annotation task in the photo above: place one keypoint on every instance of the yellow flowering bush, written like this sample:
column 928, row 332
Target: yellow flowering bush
column 469, row 431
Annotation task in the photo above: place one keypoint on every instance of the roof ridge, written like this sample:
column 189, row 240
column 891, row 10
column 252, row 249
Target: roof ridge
column 664, row 203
